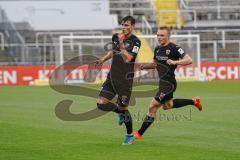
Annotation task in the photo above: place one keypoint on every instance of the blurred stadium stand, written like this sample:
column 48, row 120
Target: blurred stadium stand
column 136, row 8
column 211, row 13
column 217, row 22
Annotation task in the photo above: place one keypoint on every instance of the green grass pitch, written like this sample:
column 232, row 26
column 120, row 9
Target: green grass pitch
column 30, row 130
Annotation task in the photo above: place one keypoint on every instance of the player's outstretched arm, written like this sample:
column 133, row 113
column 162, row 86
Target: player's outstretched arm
column 152, row 65
column 186, row 60
column 108, row 56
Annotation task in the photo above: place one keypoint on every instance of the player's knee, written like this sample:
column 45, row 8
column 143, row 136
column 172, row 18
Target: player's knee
column 104, row 104
column 102, row 100
column 168, row 105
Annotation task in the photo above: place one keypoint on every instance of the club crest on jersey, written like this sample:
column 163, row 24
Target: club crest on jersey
column 168, row 51
column 127, row 44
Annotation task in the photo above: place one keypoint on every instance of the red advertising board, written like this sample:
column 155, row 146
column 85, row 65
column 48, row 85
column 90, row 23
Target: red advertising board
column 23, row 75
column 214, row 71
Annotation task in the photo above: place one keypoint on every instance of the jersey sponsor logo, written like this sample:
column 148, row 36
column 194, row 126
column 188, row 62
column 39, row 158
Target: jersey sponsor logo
column 180, row 50
column 162, row 58
column 135, row 49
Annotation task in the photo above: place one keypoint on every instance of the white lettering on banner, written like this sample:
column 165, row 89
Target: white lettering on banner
column 43, row 74
column 74, row 74
column 221, row 73
column 186, row 72
column 211, row 72
column 7, row 77
column 204, row 71
column 232, row 73
column 77, row 74
column 27, row 78
column 80, row 74
column 1, row 77
column 189, row 72
column 179, row 72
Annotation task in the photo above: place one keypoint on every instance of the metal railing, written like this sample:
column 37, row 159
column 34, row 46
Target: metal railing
column 222, row 34
column 57, row 34
column 11, row 36
column 195, row 17
column 210, row 51
column 209, row 3
column 217, row 7
column 146, row 27
column 136, row 8
column 2, row 40
column 232, row 54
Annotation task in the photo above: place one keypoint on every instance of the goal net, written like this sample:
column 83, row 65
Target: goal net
column 72, row 46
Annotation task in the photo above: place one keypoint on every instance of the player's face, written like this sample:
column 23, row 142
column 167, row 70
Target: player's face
column 163, row 37
column 127, row 28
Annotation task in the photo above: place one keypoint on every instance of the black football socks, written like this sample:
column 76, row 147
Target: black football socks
column 117, row 110
column 146, row 123
column 177, row 103
column 128, row 121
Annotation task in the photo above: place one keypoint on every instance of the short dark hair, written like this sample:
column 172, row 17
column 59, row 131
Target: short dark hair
column 129, row 18
column 165, row 28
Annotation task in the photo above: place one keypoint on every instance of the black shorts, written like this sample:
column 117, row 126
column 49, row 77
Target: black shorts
column 110, row 90
column 165, row 92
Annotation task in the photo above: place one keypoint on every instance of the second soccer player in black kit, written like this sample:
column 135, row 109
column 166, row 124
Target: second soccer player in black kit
column 120, row 78
column 167, row 56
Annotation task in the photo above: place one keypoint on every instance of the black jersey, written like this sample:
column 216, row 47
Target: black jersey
column 122, row 72
column 162, row 54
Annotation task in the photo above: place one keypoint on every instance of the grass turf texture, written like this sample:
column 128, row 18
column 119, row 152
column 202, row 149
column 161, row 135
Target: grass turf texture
column 29, row 128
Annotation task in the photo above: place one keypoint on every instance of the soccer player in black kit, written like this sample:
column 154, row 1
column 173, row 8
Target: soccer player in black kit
column 167, row 56
column 120, row 77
